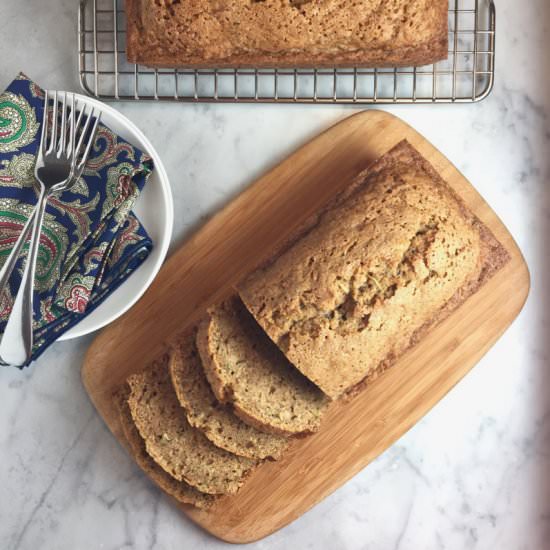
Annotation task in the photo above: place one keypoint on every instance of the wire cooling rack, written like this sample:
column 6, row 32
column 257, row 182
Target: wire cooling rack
column 465, row 77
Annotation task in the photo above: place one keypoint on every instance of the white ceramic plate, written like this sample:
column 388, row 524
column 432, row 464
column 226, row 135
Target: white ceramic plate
column 154, row 209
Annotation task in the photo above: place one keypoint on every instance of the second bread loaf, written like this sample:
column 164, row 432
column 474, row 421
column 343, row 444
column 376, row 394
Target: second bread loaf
column 271, row 33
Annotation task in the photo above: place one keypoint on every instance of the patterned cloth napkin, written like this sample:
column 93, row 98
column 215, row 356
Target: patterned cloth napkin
column 91, row 242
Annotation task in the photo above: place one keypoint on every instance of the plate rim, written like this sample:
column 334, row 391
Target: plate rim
column 168, row 226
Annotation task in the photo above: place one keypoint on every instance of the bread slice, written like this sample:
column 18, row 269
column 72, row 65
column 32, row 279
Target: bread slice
column 246, row 369
column 177, row 447
column 180, row 490
column 204, row 412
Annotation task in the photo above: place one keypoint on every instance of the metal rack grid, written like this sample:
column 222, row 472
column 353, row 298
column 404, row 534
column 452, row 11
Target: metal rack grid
column 466, row 76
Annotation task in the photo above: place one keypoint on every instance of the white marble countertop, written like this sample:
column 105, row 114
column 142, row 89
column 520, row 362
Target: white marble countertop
column 475, row 473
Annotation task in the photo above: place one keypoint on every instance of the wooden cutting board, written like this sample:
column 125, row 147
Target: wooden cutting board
column 355, row 432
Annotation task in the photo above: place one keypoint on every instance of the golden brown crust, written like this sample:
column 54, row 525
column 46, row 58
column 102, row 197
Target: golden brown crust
column 133, row 30
column 249, row 419
column 496, row 257
column 267, row 34
column 399, row 57
column 216, row 383
column 335, row 306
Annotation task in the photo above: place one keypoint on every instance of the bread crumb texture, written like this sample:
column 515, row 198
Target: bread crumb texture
column 245, row 368
column 180, row 490
column 204, row 412
column 181, row 450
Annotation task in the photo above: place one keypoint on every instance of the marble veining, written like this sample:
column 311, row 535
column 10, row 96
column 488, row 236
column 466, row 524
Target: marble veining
column 474, row 473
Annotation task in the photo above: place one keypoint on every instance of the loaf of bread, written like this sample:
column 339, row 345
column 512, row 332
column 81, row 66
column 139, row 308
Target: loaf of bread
column 364, row 278
column 178, row 448
column 204, row 412
column 286, row 33
column 245, row 368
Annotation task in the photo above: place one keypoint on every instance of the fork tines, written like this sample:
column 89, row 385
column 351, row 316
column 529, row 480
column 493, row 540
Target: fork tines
column 62, row 135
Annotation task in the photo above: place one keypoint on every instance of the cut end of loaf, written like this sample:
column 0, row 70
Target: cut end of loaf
column 246, row 368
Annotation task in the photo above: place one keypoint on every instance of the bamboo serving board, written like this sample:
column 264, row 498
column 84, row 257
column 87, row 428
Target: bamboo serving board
column 354, row 432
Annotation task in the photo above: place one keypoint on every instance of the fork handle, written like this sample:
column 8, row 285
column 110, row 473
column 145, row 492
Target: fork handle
column 17, row 340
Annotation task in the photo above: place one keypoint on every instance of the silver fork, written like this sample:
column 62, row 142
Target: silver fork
column 60, row 162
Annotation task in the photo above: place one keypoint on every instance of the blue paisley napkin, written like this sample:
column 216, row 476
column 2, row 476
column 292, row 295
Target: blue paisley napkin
column 91, row 241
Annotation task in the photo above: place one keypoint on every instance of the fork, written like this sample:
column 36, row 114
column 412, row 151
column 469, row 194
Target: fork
column 60, row 162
